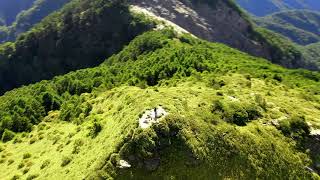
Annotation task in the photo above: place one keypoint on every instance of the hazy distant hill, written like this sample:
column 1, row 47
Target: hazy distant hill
column 301, row 26
column 27, row 18
column 9, row 9
column 265, row 7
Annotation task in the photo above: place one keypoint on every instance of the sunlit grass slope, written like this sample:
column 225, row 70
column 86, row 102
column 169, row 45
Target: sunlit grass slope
column 230, row 116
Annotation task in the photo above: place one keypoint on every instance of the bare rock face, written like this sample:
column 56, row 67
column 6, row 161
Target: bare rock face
column 221, row 23
column 152, row 116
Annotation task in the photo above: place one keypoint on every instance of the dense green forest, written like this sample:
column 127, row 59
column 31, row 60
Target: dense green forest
column 67, row 40
column 230, row 116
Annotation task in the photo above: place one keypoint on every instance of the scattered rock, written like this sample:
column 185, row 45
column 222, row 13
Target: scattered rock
column 310, row 169
column 124, row 164
column 275, row 122
column 233, row 99
column 152, row 116
column 315, row 132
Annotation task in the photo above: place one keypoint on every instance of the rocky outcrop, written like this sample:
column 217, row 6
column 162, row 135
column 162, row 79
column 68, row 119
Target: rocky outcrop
column 219, row 23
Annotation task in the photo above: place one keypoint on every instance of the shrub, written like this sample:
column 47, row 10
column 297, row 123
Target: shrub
column 296, row 128
column 45, row 164
column 15, row 177
column 239, row 117
column 217, row 106
column 253, row 112
column 236, row 112
column 77, row 145
column 32, row 176
column 7, row 135
column 261, row 101
column 74, row 108
column 50, row 102
column 33, row 140
column 277, row 77
column 25, row 171
column 21, row 165
column 26, row 156
column 65, row 161
column 17, row 139
column 10, row 161
column 95, row 129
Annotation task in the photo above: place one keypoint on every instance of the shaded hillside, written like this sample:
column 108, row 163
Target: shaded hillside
column 228, row 115
column 29, row 17
column 312, row 51
column 81, row 35
column 266, row 7
column 302, row 27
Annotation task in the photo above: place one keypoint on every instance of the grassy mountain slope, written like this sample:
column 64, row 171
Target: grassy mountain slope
column 302, row 27
column 81, row 35
column 230, row 116
column 266, row 7
column 27, row 18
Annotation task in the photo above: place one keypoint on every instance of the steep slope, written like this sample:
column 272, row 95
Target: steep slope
column 266, row 7
column 209, row 21
column 228, row 115
column 27, row 18
column 81, row 35
column 301, row 26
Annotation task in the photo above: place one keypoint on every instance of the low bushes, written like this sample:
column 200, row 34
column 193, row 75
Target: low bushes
column 7, row 135
column 65, row 161
column 296, row 127
column 26, row 156
column 95, row 129
column 236, row 112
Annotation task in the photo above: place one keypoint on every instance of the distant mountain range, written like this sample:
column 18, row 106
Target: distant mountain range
column 9, row 9
column 301, row 26
column 265, row 7
column 24, row 15
column 297, row 20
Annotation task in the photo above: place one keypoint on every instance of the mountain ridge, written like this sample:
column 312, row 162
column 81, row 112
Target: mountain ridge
column 30, row 45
